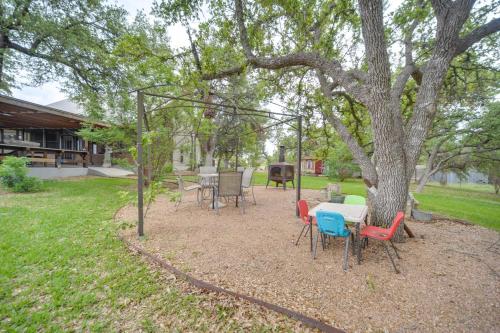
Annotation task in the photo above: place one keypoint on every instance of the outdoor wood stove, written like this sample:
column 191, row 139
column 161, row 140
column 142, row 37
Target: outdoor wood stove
column 281, row 172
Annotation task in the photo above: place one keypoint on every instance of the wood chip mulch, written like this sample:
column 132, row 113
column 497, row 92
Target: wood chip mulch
column 449, row 279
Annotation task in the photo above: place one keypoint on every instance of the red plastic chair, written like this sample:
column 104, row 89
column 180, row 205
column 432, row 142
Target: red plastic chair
column 384, row 234
column 304, row 216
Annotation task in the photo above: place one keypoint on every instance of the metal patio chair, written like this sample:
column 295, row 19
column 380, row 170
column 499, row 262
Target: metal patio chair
column 247, row 182
column 183, row 189
column 229, row 185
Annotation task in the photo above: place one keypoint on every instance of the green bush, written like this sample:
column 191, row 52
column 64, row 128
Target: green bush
column 341, row 170
column 169, row 168
column 14, row 175
column 28, row 184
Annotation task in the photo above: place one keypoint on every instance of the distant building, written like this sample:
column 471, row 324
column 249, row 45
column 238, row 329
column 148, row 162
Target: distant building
column 186, row 154
column 312, row 165
column 450, row 177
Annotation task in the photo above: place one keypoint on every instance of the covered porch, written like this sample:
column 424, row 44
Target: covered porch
column 46, row 136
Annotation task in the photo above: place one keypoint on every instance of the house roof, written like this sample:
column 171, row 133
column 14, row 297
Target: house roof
column 17, row 113
column 68, row 105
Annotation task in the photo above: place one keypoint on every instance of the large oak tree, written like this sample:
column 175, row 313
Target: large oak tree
column 354, row 49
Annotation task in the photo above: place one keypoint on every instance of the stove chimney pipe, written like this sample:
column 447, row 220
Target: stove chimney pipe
column 282, row 154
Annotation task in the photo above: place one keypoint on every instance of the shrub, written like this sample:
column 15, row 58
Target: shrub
column 342, row 170
column 13, row 170
column 168, row 168
column 341, row 164
column 13, row 175
column 28, row 184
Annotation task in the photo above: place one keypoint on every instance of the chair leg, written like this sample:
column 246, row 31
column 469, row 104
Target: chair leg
column 353, row 247
column 253, row 195
column 307, row 232
column 346, row 254
column 177, row 204
column 316, row 245
column 216, row 201
column 390, row 257
column 242, row 204
column 395, row 249
column 305, row 226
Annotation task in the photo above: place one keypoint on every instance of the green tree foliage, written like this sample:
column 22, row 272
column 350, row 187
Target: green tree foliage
column 486, row 135
column 340, row 162
column 63, row 40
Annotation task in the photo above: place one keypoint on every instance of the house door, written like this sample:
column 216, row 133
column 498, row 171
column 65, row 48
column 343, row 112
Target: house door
column 318, row 167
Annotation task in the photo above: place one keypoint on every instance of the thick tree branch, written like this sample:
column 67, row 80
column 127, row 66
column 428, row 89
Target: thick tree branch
column 224, row 73
column 376, row 47
column 451, row 16
column 194, row 51
column 331, row 68
column 33, row 53
column 364, row 162
column 477, row 34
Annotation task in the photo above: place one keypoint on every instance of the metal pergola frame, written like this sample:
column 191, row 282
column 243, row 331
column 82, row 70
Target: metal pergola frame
column 199, row 103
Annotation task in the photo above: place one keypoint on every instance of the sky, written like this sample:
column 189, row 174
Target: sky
column 50, row 92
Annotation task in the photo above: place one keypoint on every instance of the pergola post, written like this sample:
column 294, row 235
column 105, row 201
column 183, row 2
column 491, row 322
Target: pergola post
column 237, row 148
column 299, row 160
column 140, row 175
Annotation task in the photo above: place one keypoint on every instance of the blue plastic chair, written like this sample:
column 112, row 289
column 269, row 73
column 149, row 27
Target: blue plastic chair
column 332, row 224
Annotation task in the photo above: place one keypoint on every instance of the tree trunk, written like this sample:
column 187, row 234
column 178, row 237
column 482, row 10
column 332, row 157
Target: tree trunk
column 422, row 181
column 429, row 171
column 393, row 183
column 3, row 50
column 209, row 157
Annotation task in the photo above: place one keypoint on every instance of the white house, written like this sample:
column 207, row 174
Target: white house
column 186, row 149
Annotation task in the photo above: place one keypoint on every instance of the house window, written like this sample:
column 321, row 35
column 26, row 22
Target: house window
column 94, row 148
column 309, row 164
column 51, row 139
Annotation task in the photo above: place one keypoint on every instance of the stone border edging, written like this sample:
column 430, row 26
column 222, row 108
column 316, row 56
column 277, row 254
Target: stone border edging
column 311, row 322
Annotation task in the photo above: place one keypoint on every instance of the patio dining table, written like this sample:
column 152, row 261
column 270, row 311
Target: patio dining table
column 210, row 180
column 354, row 214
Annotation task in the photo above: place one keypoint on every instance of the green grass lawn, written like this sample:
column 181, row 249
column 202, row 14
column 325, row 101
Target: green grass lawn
column 472, row 202
column 62, row 268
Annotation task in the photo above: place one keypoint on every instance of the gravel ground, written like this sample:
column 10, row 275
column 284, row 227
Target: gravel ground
column 449, row 279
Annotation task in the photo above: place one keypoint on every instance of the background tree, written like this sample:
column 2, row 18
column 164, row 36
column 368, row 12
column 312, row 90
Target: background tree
column 469, row 86
column 487, row 135
column 63, row 40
